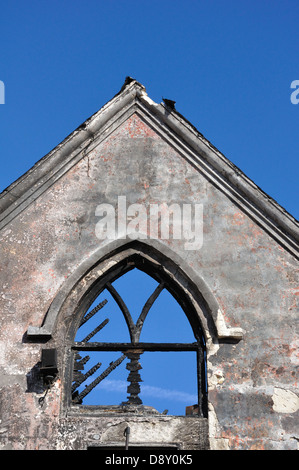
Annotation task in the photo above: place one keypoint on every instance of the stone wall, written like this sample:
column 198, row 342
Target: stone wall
column 252, row 279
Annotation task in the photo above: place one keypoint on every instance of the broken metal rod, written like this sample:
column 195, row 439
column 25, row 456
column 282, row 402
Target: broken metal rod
column 101, row 377
column 85, row 376
column 96, row 330
column 80, row 362
column 93, row 312
column 134, row 377
column 127, row 434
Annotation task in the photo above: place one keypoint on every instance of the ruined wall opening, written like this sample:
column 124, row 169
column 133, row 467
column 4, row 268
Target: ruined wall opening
column 137, row 345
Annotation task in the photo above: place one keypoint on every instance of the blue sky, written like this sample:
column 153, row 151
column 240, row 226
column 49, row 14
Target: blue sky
column 168, row 378
column 228, row 65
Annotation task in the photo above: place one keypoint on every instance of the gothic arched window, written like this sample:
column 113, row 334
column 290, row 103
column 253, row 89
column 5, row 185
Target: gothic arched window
column 137, row 346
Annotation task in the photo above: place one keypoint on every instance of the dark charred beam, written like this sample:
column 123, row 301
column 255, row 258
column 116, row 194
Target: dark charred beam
column 146, row 309
column 134, row 378
column 80, row 346
column 93, row 312
column 96, row 330
column 90, row 387
column 83, row 377
column 118, row 299
column 80, row 362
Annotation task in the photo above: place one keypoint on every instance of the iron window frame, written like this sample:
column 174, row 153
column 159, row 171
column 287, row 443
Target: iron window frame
column 164, row 282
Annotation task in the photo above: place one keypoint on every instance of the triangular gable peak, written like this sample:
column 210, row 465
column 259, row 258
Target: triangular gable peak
column 178, row 132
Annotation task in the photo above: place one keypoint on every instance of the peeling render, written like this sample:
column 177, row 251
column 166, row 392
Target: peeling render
column 285, row 401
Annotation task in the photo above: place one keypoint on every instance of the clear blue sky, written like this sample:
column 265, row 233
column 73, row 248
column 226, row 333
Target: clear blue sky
column 228, row 64
column 168, row 378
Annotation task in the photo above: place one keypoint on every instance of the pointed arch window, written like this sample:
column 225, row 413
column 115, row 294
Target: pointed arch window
column 135, row 339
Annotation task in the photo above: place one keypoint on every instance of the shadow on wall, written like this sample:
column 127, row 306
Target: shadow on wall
column 34, row 378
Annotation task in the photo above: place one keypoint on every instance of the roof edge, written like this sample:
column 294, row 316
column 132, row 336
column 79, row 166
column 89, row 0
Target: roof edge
column 77, row 139
column 28, row 187
column 225, row 167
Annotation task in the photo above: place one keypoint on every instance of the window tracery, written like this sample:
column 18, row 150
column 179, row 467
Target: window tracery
column 131, row 347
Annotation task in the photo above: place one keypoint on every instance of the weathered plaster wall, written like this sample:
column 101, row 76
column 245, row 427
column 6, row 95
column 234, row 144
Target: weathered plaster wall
column 253, row 401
